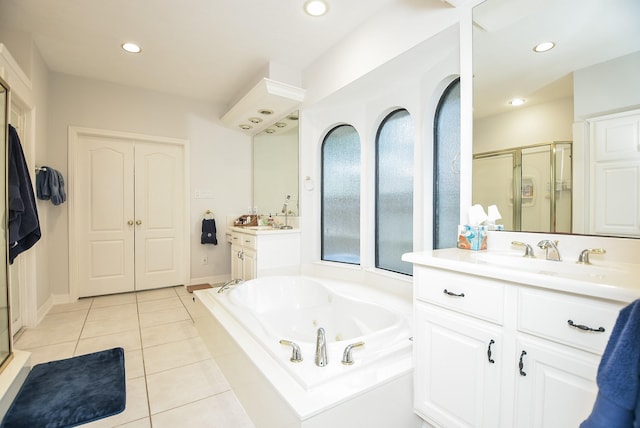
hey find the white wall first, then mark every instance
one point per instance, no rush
(415, 80)
(220, 159)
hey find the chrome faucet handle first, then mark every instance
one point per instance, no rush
(583, 258)
(551, 249)
(528, 250)
(347, 357)
(296, 354)
(321, 349)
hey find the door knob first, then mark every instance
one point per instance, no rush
(138, 222)
(130, 222)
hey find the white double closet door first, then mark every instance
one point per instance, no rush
(130, 214)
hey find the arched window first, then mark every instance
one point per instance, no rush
(394, 192)
(446, 193)
(340, 215)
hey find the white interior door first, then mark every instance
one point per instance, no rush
(159, 212)
(105, 207)
(130, 214)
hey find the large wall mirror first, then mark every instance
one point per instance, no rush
(5, 320)
(275, 168)
(547, 147)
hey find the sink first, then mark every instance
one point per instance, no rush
(549, 267)
(260, 228)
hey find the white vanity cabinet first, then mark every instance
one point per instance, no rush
(263, 251)
(495, 353)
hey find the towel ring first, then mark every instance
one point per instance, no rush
(208, 214)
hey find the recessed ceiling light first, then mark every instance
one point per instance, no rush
(544, 46)
(131, 47)
(270, 131)
(280, 124)
(316, 7)
(517, 102)
(265, 111)
(255, 120)
(245, 127)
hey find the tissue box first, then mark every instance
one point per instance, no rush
(472, 237)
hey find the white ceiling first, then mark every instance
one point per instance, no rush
(205, 49)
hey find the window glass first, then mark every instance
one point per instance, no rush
(446, 203)
(394, 192)
(340, 216)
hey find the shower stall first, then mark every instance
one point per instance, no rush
(531, 185)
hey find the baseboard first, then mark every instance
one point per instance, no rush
(217, 279)
(44, 309)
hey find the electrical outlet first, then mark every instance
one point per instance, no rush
(204, 260)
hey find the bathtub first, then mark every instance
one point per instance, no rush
(243, 328)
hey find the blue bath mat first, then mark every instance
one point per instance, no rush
(70, 392)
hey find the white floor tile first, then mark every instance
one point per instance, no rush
(128, 340)
(164, 316)
(174, 354)
(166, 333)
(113, 312)
(39, 336)
(113, 299)
(173, 388)
(57, 351)
(160, 293)
(159, 304)
(222, 411)
(133, 364)
(140, 423)
(82, 304)
(104, 327)
(137, 406)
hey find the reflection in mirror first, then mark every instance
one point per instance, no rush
(5, 330)
(275, 168)
(588, 78)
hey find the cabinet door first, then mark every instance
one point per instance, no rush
(236, 261)
(248, 264)
(455, 383)
(556, 387)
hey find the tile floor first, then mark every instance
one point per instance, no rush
(172, 381)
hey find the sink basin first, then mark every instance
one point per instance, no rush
(549, 267)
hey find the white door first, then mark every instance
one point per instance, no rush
(105, 207)
(130, 211)
(159, 209)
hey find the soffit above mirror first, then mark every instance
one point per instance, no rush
(268, 102)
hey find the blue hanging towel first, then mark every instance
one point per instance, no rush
(24, 225)
(208, 232)
(618, 400)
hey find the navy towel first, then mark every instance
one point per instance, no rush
(208, 232)
(50, 185)
(617, 403)
(24, 225)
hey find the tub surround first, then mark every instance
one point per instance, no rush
(524, 337)
(368, 393)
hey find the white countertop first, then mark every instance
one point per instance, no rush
(261, 230)
(617, 282)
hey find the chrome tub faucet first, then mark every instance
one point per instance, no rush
(321, 349)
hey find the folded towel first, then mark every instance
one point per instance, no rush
(61, 191)
(619, 375)
(208, 232)
(42, 184)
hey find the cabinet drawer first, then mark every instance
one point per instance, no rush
(469, 294)
(550, 315)
(248, 241)
(228, 237)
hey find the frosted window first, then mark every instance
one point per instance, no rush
(341, 195)
(446, 202)
(394, 192)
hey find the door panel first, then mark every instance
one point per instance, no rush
(159, 190)
(105, 205)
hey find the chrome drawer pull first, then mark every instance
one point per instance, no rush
(449, 293)
(521, 363)
(585, 327)
(491, 360)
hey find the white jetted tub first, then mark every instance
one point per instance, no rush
(245, 326)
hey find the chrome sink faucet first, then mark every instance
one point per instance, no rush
(551, 248)
(321, 349)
